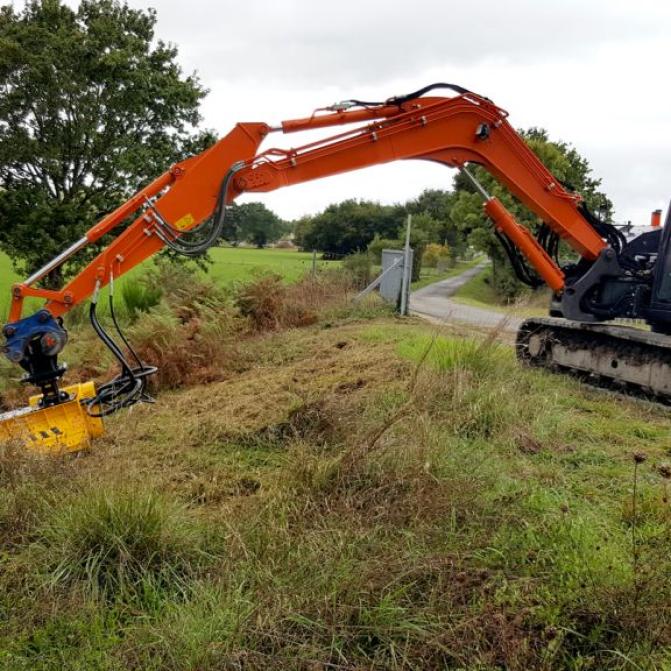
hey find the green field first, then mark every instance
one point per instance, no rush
(239, 264)
(230, 264)
(7, 277)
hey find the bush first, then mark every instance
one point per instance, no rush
(505, 282)
(123, 545)
(379, 244)
(360, 268)
(139, 296)
(433, 253)
(186, 291)
(199, 349)
(262, 301)
(269, 305)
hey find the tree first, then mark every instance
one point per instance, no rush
(91, 107)
(420, 232)
(255, 223)
(347, 227)
(438, 205)
(301, 227)
(566, 165)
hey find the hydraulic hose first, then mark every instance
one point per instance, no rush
(129, 386)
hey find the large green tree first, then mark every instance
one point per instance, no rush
(566, 164)
(347, 227)
(255, 223)
(438, 204)
(92, 105)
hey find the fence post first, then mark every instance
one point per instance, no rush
(314, 262)
(407, 271)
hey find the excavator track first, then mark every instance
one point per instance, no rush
(620, 358)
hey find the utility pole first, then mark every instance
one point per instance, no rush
(405, 282)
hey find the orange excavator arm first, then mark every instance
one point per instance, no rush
(185, 209)
(466, 128)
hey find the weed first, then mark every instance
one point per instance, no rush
(202, 349)
(121, 545)
(265, 303)
(360, 268)
(366, 501)
(139, 297)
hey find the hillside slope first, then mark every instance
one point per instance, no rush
(359, 494)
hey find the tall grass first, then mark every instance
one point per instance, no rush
(121, 545)
(139, 297)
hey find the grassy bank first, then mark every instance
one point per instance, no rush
(363, 492)
(479, 292)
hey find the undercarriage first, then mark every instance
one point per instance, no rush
(623, 358)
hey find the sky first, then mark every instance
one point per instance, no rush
(592, 72)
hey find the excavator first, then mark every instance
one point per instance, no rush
(184, 209)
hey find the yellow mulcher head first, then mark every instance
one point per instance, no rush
(64, 427)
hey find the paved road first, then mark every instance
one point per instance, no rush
(433, 302)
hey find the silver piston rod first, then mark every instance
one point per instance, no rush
(57, 261)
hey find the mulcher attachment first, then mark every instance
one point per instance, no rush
(53, 429)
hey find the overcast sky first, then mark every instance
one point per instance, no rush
(593, 72)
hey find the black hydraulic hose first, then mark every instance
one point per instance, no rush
(120, 332)
(178, 240)
(126, 384)
(399, 100)
(125, 389)
(522, 271)
(142, 370)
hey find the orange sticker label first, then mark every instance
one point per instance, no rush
(184, 222)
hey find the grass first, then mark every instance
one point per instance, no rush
(479, 292)
(364, 492)
(240, 264)
(230, 265)
(122, 545)
(8, 276)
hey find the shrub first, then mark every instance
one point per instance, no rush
(269, 304)
(186, 291)
(263, 301)
(360, 268)
(139, 296)
(122, 544)
(199, 349)
(433, 253)
(329, 288)
(378, 244)
(417, 242)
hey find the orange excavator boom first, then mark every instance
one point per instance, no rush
(185, 209)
